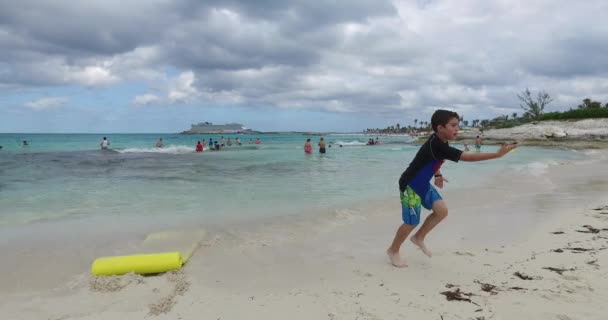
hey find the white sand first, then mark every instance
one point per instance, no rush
(334, 267)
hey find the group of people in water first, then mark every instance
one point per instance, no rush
(218, 145)
(200, 146)
(322, 145)
(308, 146)
(477, 145)
(371, 141)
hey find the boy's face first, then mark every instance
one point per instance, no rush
(449, 131)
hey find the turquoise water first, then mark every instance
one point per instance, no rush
(66, 176)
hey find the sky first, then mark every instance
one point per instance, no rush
(290, 65)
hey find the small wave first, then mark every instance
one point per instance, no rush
(591, 152)
(348, 215)
(411, 139)
(350, 143)
(537, 168)
(168, 150)
(597, 154)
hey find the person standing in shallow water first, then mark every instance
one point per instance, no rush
(478, 144)
(308, 146)
(321, 145)
(159, 143)
(415, 189)
(104, 143)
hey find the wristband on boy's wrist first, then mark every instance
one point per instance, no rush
(438, 175)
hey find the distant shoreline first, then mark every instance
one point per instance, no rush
(304, 133)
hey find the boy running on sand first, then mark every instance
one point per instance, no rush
(416, 190)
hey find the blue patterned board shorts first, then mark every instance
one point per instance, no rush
(411, 204)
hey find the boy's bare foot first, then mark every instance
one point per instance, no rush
(396, 259)
(421, 245)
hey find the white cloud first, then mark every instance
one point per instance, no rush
(92, 76)
(182, 88)
(146, 99)
(45, 103)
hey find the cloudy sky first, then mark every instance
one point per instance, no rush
(346, 65)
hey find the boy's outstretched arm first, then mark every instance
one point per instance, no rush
(471, 156)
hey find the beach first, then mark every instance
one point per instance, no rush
(543, 221)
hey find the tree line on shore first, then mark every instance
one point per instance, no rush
(533, 110)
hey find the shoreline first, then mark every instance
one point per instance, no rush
(337, 269)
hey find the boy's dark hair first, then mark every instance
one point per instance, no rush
(442, 117)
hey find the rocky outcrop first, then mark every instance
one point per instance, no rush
(589, 129)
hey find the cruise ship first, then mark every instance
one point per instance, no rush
(208, 127)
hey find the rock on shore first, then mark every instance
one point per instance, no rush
(583, 132)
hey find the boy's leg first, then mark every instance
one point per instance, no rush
(393, 252)
(440, 211)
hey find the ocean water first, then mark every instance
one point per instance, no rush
(65, 177)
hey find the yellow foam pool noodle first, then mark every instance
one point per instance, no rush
(138, 263)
